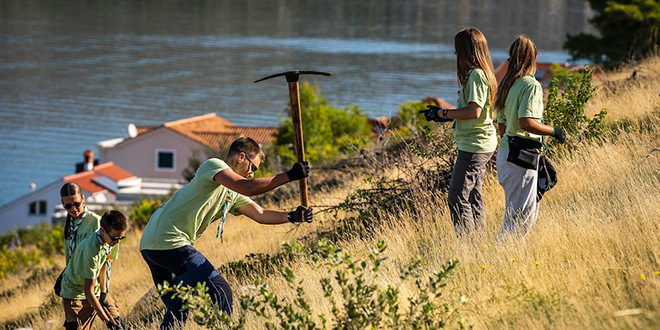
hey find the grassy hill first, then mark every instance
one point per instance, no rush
(591, 261)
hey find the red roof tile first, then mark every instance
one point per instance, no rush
(214, 131)
(86, 179)
(113, 171)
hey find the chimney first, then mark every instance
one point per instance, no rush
(88, 164)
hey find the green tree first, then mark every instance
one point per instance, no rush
(328, 132)
(628, 30)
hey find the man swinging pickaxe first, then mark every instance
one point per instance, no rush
(294, 96)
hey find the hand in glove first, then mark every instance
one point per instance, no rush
(433, 114)
(300, 214)
(299, 170)
(118, 324)
(559, 133)
(103, 299)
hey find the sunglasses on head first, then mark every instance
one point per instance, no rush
(70, 205)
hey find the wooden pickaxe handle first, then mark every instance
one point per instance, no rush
(294, 96)
(296, 120)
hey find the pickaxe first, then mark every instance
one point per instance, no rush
(294, 97)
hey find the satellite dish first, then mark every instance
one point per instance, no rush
(132, 130)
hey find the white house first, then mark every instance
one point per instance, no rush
(101, 185)
(160, 154)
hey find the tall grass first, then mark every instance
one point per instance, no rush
(591, 261)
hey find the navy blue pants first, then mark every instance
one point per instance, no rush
(187, 265)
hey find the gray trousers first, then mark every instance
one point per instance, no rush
(520, 186)
(465, 201)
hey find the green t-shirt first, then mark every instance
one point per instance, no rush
(525, 100)
(91, 222)
(185, 217)
(86, 263)
(476, 135)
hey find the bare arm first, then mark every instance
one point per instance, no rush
(103, 276)
(472, 111)
(267, 217)
(533, 126)
(501, 129)
(88, 287)
(239, 184)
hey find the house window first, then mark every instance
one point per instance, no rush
(165, 160)
(37, 208)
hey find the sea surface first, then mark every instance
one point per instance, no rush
(73, 73)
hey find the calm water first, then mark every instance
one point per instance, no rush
(73, 73)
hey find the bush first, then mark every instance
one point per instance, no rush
(357, 301)
(328, 132)
(142, 210)
(567, 110)
(12, 260)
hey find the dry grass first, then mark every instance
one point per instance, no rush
(589, 262)
(626, 97)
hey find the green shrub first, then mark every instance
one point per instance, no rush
(328, 132)
(567, 109)
(357, 301)
(142, 210)
(12, 260)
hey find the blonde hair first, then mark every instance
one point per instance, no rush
(522, 62)
(472, 52)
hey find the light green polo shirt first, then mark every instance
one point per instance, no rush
(91, 222)
(476, 135)
(86, 263)
(525, 100)
(185, 217)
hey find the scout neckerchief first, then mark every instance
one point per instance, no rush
(108, 251)
(73, 225)
(221, 225)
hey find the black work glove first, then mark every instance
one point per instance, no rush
(300, 214)
(103, 299)
(117, 325)
(559, 133)
(299, 171)
(432, 113)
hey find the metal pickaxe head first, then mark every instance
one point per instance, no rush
(294, 97)
(292, 76)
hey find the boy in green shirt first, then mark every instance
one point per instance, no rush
(81, 293)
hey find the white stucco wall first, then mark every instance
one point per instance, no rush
(16, 213)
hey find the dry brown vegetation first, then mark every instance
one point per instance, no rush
(591, 261)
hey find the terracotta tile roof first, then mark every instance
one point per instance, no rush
(145, 129)
(86, 179)
(220, 140)
(113, 171)
(213, 131)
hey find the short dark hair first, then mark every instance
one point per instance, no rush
(114, 220)
(246, 145)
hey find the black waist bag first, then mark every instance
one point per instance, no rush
(524, 152)
(58, 285)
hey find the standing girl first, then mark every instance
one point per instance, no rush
(80, 223)
(473, 130)
(519, 102)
